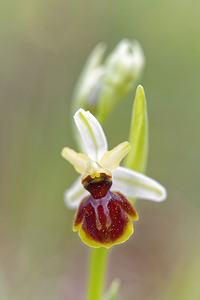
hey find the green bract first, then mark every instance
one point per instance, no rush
(137, 157)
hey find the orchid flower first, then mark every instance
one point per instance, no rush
(104, 214)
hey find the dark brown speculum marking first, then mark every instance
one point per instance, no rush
(104, 215)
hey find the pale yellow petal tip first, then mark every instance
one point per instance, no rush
(64, 152)
(127, 146)
(78, 160)
(94, 244)
(111, 159)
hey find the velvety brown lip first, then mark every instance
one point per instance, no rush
(104, 215)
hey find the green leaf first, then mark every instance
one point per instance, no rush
(136, 159)
(113, 292)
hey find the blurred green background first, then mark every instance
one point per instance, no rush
(44, 45)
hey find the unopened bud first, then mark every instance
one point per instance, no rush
(124, 66)
(102, 85)
(89, 84)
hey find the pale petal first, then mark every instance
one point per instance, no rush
(95, 170)
(112, 159)
(74, 195)
(136, 185)
(92, 135)
(78, 160)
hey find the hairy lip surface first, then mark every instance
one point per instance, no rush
(106, 220)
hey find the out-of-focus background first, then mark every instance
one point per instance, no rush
(44, 45)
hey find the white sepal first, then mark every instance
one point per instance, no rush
(74, 195)
(93, 138)
(136, 185)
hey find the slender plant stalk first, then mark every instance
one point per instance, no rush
(97, 273)
(136, 159)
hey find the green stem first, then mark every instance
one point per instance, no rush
(97, 273)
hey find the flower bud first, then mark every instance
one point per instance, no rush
(89, 84)
(102, 85)
(124, 66)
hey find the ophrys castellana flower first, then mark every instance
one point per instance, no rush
(104, 215)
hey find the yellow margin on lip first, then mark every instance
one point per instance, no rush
(135, 218)
(92, 243)
(77, 227)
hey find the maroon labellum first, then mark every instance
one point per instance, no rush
(104, 218)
